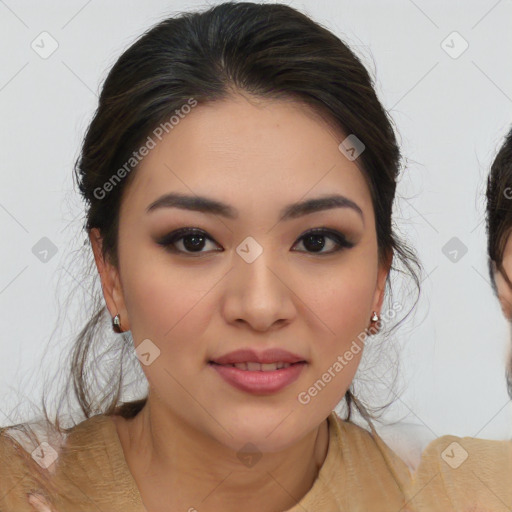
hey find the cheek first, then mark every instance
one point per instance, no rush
(166, 305)
(346, 309)
(504, 295)
(342, 317)
(509, 372)
(338, 350)
(343, 303)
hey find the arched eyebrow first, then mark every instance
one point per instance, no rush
(212, 206)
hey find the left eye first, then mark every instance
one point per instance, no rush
(193, 240)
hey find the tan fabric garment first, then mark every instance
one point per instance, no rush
(360, 473)
(463, 475)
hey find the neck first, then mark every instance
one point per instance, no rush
(189, 469)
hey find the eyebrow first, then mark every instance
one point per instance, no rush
(292, 211)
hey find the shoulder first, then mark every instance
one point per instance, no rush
(368, 456)
(466, 472)
(34, 455)
(20, 473)
(448, 453)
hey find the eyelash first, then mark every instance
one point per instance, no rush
(169, 240)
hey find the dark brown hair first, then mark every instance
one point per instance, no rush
(266, 50)
(499, 221)
(499, 209)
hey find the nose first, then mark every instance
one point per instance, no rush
(259, 293)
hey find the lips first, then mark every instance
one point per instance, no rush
(251, 358)
(259, 382)
(259, 367)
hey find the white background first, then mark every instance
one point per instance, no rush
(451, 115)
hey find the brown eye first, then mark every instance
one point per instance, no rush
(314, 240)
(193, 241)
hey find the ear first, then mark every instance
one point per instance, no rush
(110, 281)
(380, 289)
(504, 294)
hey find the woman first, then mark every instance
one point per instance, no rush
(499, 229)
(239, 175)
(469, 474)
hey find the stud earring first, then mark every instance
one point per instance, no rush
(116, 323)
(375, 317)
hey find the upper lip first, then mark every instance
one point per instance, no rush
(272, 355)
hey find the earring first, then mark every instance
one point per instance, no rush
(375, 317)
(116, 323)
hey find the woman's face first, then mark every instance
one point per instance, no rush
(250, 280)
(504, 290)
(505, 297)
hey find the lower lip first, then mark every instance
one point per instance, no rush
(258, 381)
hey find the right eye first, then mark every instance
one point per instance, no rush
(192, 239)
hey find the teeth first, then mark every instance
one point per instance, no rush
(253, 367)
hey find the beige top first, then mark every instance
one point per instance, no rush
(360, 473)
(463, 474)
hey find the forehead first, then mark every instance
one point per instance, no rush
(249, 152)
